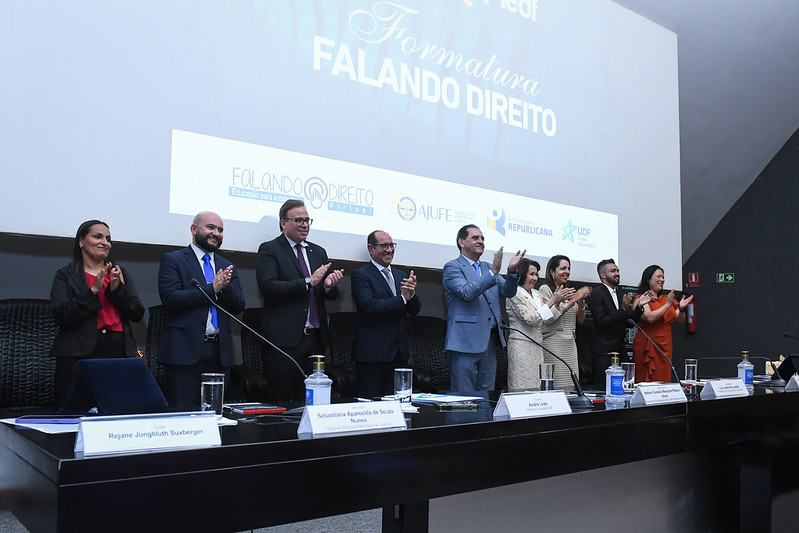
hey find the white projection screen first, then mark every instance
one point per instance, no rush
(551, 124)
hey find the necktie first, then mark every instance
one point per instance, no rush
(209, 277)
(313, 317)
(390, 280)
(477, 269)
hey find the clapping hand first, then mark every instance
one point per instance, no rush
(116, 277)
(408, 286)
(222, 279)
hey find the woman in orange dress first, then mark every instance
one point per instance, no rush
(659, 314)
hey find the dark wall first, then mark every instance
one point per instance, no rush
(758, 241)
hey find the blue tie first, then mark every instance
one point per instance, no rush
(209, 277)
(477, 268)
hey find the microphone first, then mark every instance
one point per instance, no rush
(632, 324)
(581, 400)
(790, 336)
(260, 337)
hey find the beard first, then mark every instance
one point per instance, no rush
(202, 242)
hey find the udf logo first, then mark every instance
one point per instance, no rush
(406, 208)
(568, 231)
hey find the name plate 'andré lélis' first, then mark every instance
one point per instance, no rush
(126, 433)
(512, 405)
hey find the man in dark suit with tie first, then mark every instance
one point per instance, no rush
(384, 297)
(197, 336)
(610, 311)
(472, 289)
(295, 279)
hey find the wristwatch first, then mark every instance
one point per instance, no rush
(308, 283)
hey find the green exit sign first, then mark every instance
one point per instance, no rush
(725, 277)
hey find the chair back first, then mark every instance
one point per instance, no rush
(156, 322)
(501, 382)
(251, 347)
(342, 340)
(426, 336)
(27, 371)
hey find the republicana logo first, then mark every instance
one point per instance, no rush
(496, 221)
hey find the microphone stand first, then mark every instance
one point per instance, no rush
(580, 401)
(632, 324)
(248, 328)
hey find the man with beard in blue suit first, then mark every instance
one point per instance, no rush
(384, 297)
(197, 336)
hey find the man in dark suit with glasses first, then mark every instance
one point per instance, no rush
(384, 297)
(295, 278)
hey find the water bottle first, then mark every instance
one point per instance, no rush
(746, 372)
(318, 385)
(614, 383)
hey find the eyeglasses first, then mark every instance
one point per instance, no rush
(301, 221)
(387, 245)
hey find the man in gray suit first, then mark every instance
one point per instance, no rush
(472, 289)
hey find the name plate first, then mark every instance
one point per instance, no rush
(658, 394)
(723, 388)
(513, 405)
(126, 433)
(351, 418)
(793, 384)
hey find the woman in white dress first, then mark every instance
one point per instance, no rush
(527, 311)
(559, 331)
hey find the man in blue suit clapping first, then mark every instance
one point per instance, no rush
(472, 289)
(197, 337)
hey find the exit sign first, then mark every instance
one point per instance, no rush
(725, 277)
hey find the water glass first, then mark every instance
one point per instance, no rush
(629, 377)
(690, 370)
(547, 373)
(212, 392)
(403, 384)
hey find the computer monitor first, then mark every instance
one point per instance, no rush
(118, 386)
(789, 366)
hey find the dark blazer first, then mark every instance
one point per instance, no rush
(609, 323)
(187, 309)
(285, 293)
(75, 309)
(381, 326)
